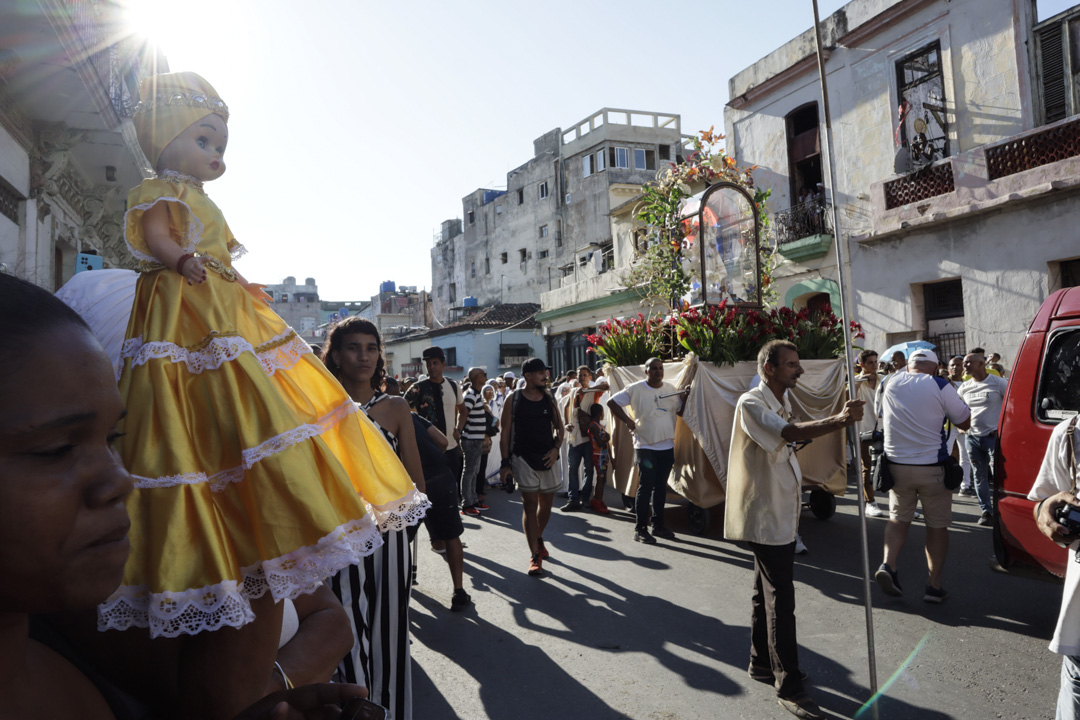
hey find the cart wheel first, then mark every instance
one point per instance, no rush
(822, 504)
(698, 518)
(628, 502)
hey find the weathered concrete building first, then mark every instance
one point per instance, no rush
(551, 230)
(956, 163)
(496, 338)
(69, 78)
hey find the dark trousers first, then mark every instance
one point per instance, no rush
(481, 476)
(654, 466)
(773, 643)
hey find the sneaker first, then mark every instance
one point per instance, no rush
(572, 506)
(663, 533)
(987, 519)
(544, 554)
(888, 580)
(535, 568)
(470, 511)
(872, 510)
(598, 506)
(800, 546)
(968, 491)
(935, 595)
(801, 706)
(460, 600)
(643, 536)
(481, 506)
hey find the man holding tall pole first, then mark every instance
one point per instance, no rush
(762, 508)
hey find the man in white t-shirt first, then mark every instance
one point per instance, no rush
(984, 394)
(654, 405)
(915, 405)
(1054, 488)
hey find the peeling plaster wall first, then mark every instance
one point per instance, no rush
(1004, 282)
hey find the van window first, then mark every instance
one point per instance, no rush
(1059, 388)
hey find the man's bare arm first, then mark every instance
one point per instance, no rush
(798, 432)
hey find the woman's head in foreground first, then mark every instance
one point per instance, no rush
(63, 524)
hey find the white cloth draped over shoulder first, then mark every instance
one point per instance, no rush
(703, 433)
(103, 298)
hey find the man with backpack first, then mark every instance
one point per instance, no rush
(531, 435)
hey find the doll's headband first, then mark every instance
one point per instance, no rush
(169, 104)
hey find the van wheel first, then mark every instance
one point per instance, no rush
(698, 518)
(822, 504)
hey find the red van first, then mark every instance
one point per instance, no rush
(1044, 389)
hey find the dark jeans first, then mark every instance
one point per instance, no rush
(773, 643)
(481, 476)
(654, 466)
(580, 455)
(981, 452)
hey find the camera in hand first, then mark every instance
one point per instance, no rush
(1068, 516)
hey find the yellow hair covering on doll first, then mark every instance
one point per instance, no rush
(169, 104)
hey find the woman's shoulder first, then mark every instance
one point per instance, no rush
(60, 689)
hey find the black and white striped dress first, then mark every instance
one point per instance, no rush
(376, 596)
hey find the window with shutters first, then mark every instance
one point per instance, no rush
(1057, 65)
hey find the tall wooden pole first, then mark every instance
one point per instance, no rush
(853, 433)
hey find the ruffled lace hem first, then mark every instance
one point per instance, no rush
(191, 238)
(237, 251)
(220, 480)
(279, 353)
(228, 604)
(402, 513)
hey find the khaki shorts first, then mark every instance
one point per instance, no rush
(924, 484)
(529, 480)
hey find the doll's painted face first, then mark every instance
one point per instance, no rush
(198, 150)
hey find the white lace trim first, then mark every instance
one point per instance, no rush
(191, 238)
(175, 176)
(281, 353)
(238, 251)
(228, 604)
(220, 480)
(399, 514)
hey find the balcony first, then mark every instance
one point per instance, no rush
(804, 231)
(1021, 168)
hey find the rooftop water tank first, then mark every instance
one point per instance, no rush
(388, 286)
(470, 301)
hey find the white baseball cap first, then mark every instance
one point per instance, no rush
(922, 355)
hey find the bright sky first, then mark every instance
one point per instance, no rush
(358, 126)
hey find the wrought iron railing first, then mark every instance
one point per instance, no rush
(812, 217)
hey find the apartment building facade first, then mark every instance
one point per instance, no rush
(552, 229)
(69, 79)
(954, 133)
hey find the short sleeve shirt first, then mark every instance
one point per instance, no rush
(914, 409)
(1054, 477)
(476, 415)
(985, 400)
(763, 476)
(654, 415)
(450, 402)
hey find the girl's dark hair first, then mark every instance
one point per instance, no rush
(353, 326)
(28, 311)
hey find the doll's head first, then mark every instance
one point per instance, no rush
(182, 125)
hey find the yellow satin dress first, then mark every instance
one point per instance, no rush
(254, 470)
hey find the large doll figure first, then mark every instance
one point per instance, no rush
(255, 476)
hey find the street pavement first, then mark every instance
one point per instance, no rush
(617, 629)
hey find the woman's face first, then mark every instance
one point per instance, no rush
(198, 151)
(358, 357)
(63, 524)
(489, 392)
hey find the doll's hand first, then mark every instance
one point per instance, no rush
(258, 291)
(193, 271)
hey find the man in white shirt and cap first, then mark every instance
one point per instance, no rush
(763, 500)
